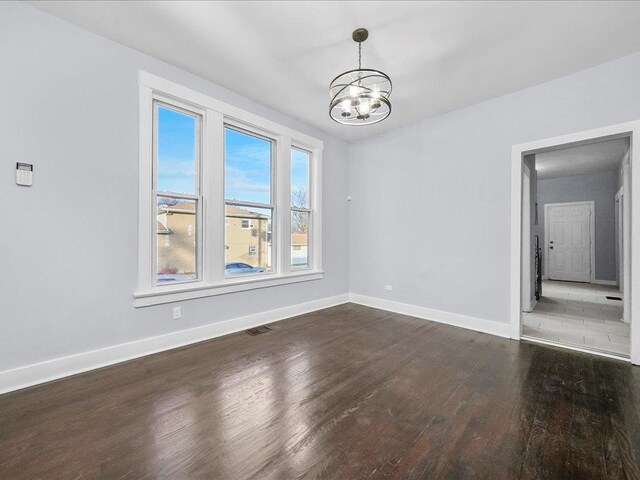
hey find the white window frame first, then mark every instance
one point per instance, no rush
(272, 205)
(180, 107)
(211, 230)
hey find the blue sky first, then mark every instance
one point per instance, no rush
(176, 151)
(247, 160)
(300, 171)
(247, 167)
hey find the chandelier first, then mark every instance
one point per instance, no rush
(361, 96)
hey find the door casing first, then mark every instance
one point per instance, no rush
(629, 130)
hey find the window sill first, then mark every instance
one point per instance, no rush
(189, 291)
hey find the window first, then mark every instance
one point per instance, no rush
(228, 200)
(176, 181)
(300, 209)
(248, 198)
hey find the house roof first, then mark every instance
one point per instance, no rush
(188, 208)
(233, 211)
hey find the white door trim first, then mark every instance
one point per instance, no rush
(527, 301)
(632, 268)
(592, 236)
(618, 237)
(631, 217)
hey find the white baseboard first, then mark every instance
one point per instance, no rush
(34, 374)
(596, 281)
(478, 324)
(572, 347)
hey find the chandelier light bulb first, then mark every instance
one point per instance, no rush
(364, 106)
(375, 95)
(360, 96)
(346, 108)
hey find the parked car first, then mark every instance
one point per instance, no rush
(168, 277)
(236, 268)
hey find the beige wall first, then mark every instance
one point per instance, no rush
(239, 240)
(176, 249)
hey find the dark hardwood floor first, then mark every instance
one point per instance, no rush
(345, 393)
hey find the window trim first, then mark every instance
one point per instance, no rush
(215, 115)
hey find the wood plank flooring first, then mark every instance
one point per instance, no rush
(348, 392)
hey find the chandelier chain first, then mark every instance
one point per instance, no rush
(359, 55)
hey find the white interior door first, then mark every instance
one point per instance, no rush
(569, 241)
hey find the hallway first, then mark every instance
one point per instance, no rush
(580, 315)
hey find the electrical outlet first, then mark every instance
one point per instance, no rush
(177, 313)
(388, 288)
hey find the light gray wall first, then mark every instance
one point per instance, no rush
(598, 187)
(437, 193)
(68, 245)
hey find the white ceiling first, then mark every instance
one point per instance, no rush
(441, 56)
(591, 158)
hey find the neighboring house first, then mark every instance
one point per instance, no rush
(299, 249)
(248, 237)
(176, 237)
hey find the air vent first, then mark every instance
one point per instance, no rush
(614, 298)
(258, 330)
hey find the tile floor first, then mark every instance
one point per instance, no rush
(579, 314)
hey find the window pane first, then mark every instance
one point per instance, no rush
(247, 163)
(247, 240)
(299, 239)
(176, 151)
(176, 239)
(300, 178)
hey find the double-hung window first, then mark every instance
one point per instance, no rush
(301, 221)
(228, 200)
(249, 206)
(177, 139)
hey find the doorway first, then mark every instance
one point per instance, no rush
(583, 302)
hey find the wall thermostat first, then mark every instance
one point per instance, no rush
(24, 174)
